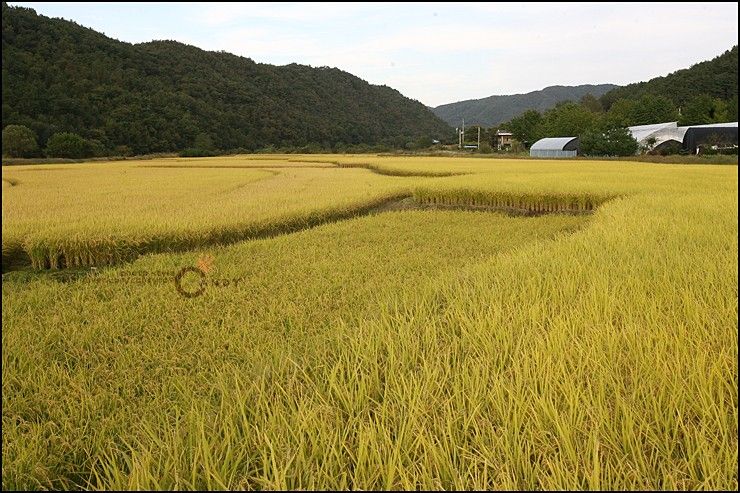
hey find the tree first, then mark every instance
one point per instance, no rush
(423, 142)
(68, 145)
(705, 109)
(122, 150)
(204, 142)
(526, 127)
(649, 145)
(653, 109)
(19, 141)
(568, 120)
(620, 113)
(613, 142)
(732, 109)
(643, 111)
(591, 103)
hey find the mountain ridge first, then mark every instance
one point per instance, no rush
(163, 96)
(716, 77)
(496, 109)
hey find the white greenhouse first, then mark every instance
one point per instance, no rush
(555, 147)
(652, 137)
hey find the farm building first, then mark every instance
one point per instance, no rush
(503, 140)
(555, 147)
(652, 137)
(714, 134)
(642, 132)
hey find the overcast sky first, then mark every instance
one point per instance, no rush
(438, 53)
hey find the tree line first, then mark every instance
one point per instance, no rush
(604, 131)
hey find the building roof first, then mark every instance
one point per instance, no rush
(729, 124)
(664, 135)
(663, 132)
(552, 143)
(642, 132)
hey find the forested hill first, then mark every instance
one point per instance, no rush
(498, 109)
(716, 78)
(163, 96)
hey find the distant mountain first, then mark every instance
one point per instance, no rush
(498, 109)
(716, 78)
(164, 96)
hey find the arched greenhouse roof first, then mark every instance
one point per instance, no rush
(552, 144)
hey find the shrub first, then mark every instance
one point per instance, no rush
(485, 148)
(122, 150)
(311, 149)
(97, 149)
(68, 145)
(19, 141)
(194, 152)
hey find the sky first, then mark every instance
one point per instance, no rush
(437, 53)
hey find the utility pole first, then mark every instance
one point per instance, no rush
(479, 137)
(462, 139)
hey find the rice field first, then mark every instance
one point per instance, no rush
(527, 325)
